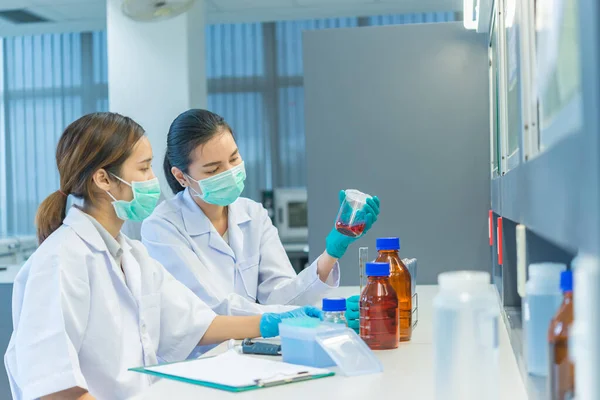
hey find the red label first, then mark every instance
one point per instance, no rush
(499, 241)
(491, 227)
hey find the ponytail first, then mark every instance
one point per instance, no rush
(50, 215)
(173, 183)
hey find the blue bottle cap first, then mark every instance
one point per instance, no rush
(391, 243)
(566, 281)
(378, 269)
(335, 304)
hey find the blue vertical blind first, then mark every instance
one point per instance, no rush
(255, 81)
(415, 18)
(49, 81)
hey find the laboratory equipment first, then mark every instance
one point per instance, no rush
(349, 352)
(249, 346)
(299, 345)
(363, 257)
(561, 376)
(334, 310)
(291, 214)
(411, 264)
(351, 220)
(465, 337)
(583, 343)
(388, 249)
(542, 301)
(379, 326)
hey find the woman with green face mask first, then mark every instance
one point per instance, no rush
(90, 302)
(223, 246)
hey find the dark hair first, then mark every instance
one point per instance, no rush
(101, 140)
(188, 131)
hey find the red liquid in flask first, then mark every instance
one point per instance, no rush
(350, 230)
(379, 325)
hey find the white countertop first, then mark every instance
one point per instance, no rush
(408, 371)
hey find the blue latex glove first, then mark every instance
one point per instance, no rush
(336, 243)
(269, 323)
(353, 312)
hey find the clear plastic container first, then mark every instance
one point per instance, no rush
(542, 300)
(299, 345)
(465, 337)
(334, 310)
(349, 352)
(388, 249)
(561, 376)
(379, 326)
(351, 219)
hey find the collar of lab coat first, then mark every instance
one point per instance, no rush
(85, 229)
(196, 223)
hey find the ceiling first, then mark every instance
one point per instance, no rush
(85, 15)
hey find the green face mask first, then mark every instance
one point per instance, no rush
(145, 199)
(222, 189)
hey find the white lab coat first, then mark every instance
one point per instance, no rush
(231, 278)
(78, 322)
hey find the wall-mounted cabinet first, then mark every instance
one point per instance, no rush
(539, 124)
(558, 70)
(511, 18)
(494, 57)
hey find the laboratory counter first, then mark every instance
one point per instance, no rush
(408, 371)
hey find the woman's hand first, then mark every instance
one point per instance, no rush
(336, 242)
(269, 323)
(353, 312)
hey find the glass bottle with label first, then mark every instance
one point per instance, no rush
(561, 377)
(400, 279)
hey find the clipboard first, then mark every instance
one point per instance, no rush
(233, 372)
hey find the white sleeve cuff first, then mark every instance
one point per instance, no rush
(333, 280)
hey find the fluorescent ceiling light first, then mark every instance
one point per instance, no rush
(469, 14)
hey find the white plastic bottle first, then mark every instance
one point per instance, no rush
(583, 343)
(465, 337)
(542, 300)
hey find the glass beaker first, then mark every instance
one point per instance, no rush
(352, 220)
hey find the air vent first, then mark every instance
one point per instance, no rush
(21, 16)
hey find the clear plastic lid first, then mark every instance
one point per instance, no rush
(349, 352)
(464, 280)
(356, 197)
(546, 270)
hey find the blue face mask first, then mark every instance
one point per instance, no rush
(222, 189)
(145, 199)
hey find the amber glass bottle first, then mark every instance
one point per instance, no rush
(379, 309)
(388, 249)
(561, 377)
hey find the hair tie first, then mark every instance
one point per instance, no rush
(63, 193)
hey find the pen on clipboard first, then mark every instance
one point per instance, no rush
(300, 376)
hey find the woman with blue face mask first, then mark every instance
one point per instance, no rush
(222, 246)
(90, 303)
